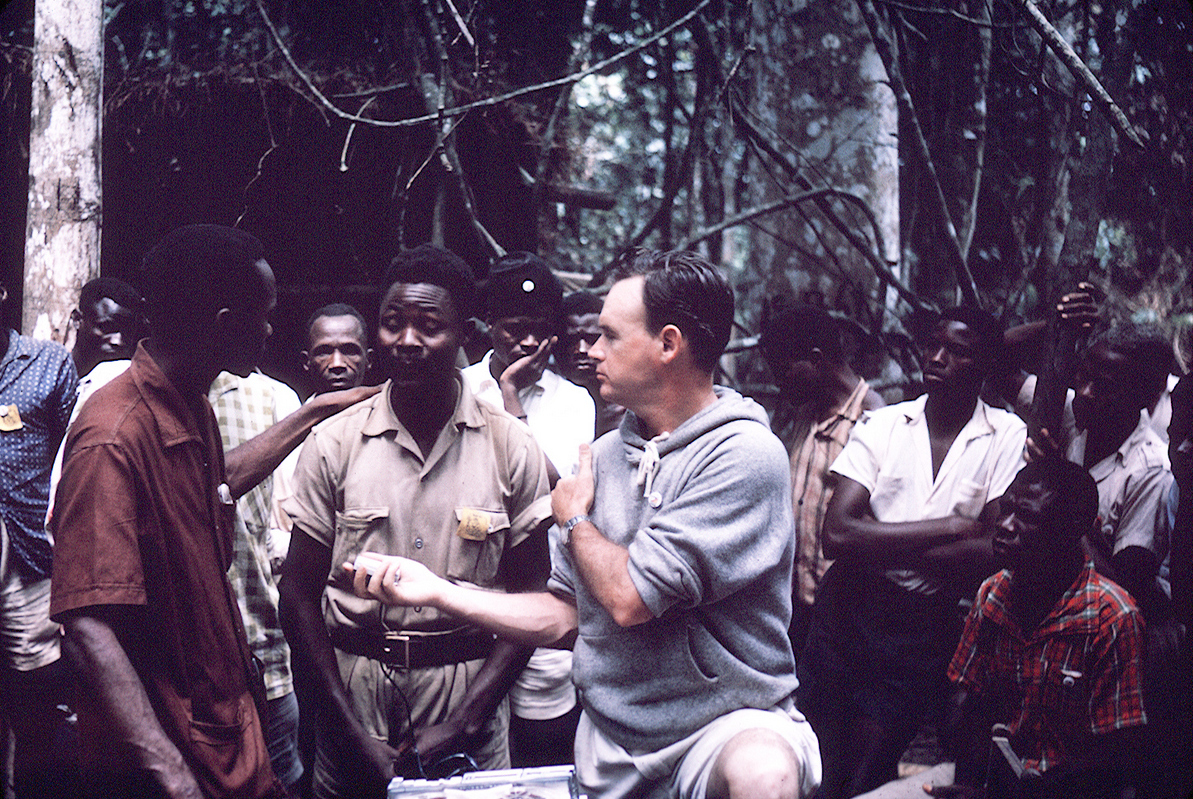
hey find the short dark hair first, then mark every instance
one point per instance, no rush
(984, 325)
(195, 271)
(113, 289)
(581, 303)
(522, 284)
(791, 330)
(427, 263)
(338, 309)
(1076, 504)
(684, 290)
(1148, 352)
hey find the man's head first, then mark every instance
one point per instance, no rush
(1120, 372)
(337, 354)
(581, 329)
(668, 313)
(963, 349)
(208, 295)
(1048, 507)
(110, 320)
(800, 344)
(426, 296)
(522, 302)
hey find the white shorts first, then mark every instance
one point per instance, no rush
(682, 769)
(28, 639)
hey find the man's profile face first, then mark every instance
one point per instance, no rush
(107, 331)
(418, 335)
(246, 328)
(1025, 539)
(951, 358)
(516, 337)
(581, 331)
(338, 356)
(627, 351)
(1103, 390)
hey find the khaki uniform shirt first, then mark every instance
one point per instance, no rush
(362, 484)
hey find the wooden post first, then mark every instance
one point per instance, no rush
(63, 231)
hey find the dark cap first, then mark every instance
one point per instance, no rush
(522, 284)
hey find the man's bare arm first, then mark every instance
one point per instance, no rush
(850, 528)
(99, 658)
(255, 459)
(301, 615)
(538, 619)
(523, 568)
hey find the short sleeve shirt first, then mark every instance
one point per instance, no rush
(1133, 485)
(362, 484)
(890, 454)
(560, 413)
(139, 520)
(244, 408)
(1077, 675)
(37, 392)
(816, 446)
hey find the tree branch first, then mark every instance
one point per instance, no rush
(485, 103)
(795, 199)
(446, 143)
(1057, 44)
(540, 184)
(882, 43)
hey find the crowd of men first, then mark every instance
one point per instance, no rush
(580, 549)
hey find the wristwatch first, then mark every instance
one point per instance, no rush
(565, 532)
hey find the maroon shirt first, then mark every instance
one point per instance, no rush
(138, 521)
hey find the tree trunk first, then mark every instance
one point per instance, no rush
(63, 229)
(821, 93)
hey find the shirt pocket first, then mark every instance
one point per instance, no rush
(477, 545)
(1065, 693)
(970, 498)
(359, 530)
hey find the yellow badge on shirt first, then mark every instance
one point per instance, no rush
(474, 524)
(10, 418)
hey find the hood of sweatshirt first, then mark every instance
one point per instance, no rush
(646, 454)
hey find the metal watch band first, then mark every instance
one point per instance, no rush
(565, 533)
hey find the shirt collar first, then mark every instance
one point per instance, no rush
(849, 411)
(382, 419)
(18, 347)
(978, 425)
(1071, 613)
(170, 412)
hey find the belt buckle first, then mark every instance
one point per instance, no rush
(393, 637)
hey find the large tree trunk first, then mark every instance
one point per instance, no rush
(63, 229)
(821, 92)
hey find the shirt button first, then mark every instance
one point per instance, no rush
(418, 543)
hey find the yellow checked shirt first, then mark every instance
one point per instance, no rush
(362, 484)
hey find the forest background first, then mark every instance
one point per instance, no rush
(882, 158)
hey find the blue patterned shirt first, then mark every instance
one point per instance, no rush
(37, 391)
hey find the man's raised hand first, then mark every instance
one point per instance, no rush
(573, 495)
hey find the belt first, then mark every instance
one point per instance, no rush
(415, 649)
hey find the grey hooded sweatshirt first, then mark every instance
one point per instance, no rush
(706, 515)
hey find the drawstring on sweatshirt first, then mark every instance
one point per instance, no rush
(649, 465)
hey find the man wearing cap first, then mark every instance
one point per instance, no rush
(524, 303)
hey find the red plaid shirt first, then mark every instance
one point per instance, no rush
(1078, 674)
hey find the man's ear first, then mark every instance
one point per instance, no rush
(76, 317)
(368, 359)
(306, 360)
(672, 340)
